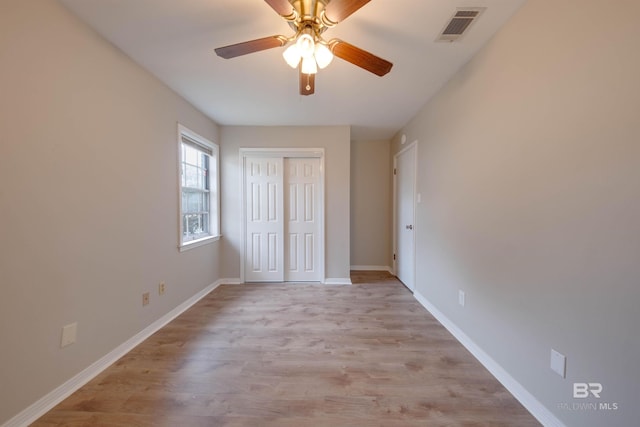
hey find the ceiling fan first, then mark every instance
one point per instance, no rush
(307, 50)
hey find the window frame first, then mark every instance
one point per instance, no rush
(186, 135)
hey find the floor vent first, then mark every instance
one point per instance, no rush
(459, 24)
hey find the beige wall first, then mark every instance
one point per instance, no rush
(371, 204)
(88, 199)
(529, 169)
(335, 141)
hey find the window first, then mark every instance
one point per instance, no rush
(199, 202)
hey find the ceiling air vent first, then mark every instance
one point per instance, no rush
(459, 24)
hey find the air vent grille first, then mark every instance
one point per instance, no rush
(467, 14)
(459, 24)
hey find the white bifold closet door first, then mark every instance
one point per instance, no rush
(302, 222)
(264, 260)
(282, 219)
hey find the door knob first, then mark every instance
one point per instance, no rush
(409, 227)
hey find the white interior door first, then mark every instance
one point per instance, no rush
(264, 246)
(405, 169)
(302, 224)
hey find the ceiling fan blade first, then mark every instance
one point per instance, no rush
(359, 57)
(339, 10)
(307, 83)
(283, 8)
(251, 46)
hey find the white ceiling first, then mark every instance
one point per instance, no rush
(174, 40)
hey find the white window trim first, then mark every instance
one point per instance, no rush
(214, 189)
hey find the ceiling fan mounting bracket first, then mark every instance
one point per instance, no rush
(326, 21)
(291, 18)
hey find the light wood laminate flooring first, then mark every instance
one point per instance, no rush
(297, 355)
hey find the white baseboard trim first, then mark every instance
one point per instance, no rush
(337, 281)
(371, 268)
(537, 409)
(233, 281)
(51, 399)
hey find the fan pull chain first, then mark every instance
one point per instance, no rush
(308, 82)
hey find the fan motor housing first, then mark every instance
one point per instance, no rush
(309, 7)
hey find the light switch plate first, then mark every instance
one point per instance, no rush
(558, 363)
(68, 335)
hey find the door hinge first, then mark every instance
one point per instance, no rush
(395, 171)
(394, 257)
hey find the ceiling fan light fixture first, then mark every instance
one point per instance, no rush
(309, 66)
(306, 51)
(305, 45)
(323, 55)
(292, 55)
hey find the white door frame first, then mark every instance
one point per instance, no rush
(414, 144)
(284, 153)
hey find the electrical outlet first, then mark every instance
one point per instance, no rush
(145, 298)
(68, 335)
(558, 363)
(461, 298)
(161, 288)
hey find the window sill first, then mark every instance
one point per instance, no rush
(197, 243)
